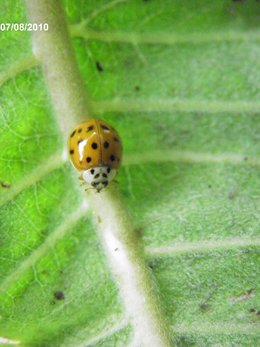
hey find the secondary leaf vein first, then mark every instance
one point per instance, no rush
(48, 244)
(201, 246)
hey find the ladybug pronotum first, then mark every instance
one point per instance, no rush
(95, 149)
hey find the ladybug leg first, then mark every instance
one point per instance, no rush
(82, 180)
(83, 183)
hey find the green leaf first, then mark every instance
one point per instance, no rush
(180, 82)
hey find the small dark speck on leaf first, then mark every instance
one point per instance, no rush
(249, 294)
(99, 66)
(245, 158)
(204, 307)
(254, 310)
(151, 265)
(59, 295)
(232, 195)
(209, 186)
(139, 232)
(129, 62)
(137, 88)
(5, 185)
(99, 220)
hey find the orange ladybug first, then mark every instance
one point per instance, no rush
(95, 149)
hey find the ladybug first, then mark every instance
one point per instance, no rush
(95, 149)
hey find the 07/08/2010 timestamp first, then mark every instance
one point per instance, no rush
(24, 27)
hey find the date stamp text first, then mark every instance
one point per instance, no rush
(24, 27)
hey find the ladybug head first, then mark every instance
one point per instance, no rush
(99, 176)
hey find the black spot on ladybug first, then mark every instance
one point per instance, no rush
(80, 130)
(73, 133)
(91, 127)
(88, 159)
(104, 175)
(79, 141)
(105, 183)
(108, 169)
(116, 139)
(71, 151)
(99, 66)
(94, 184)
(106, 144)
(59, 295)
(112, 157)
(104, 127)
(97, 175)
(92, 171)
(94, 145)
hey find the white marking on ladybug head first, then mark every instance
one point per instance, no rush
(99, 176)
